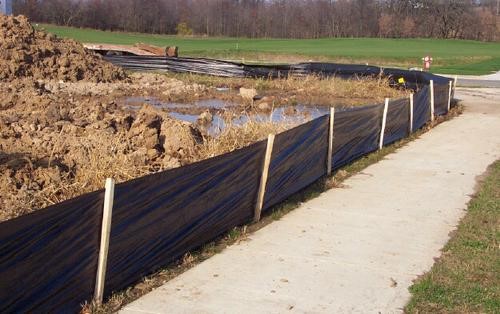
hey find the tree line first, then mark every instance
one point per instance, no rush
(456, 19)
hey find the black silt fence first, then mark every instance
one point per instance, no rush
(356, 133)
(398, 121)
(48, 259)
(158, 218)
(421, 108)
(441, 99)
(298, 159)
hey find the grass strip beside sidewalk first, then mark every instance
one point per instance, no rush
(466, 278)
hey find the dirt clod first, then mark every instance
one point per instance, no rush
(26, 52)
(248, 93)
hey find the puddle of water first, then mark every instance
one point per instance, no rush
(205, 103)
(293, 114)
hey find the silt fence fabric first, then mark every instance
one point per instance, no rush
(441, 99)
(298, 159)
(160, 217)
(48, 259)
(421, 108)
(410, 79)
(356, 132)
(398, 121)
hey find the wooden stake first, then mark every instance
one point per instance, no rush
(411, 112)
(105, 232)
(455, 82)
(449, 96)
(330, 142)
(432, 99)
(384, 119)
(263, 178)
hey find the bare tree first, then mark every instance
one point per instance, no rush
(277, 18)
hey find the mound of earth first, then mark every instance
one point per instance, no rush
(26, 52)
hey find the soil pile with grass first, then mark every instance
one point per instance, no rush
(53, 151)
(59, 140)
(26, 52)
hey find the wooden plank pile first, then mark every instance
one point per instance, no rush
(139, 49)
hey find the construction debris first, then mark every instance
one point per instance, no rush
(139, 49)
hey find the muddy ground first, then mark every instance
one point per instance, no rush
(69, 120)
(59, 140)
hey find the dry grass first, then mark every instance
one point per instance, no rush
(238, 136)
(98, 162)
(309, 89)
(94, 163)
(107, 161)
(358, 89)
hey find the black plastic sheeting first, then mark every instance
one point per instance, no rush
(398, 121)
(441, 99)
(48, 259)
(298, 159)
(158, 218)
(412, 79)
(356, 132)
(421, 108)
(179, 65)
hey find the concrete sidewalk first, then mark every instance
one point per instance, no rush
(355, 249)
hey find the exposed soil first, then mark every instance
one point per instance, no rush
(61, 130)
(26, 52)
(58, 141)
(65, 125)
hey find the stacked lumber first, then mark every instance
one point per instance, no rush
(139, 49)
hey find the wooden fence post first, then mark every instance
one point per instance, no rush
(384, 120)
(411, 113)
(449, 96)
(105, 232)
(330, 142)
(431, 86)
(263, 178)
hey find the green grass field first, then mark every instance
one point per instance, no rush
(450, 56)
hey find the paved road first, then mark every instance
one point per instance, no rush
(463, 82)
(488, 81)
(354, 249)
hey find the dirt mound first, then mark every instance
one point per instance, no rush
(26, 52)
